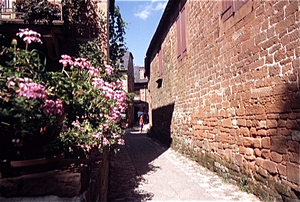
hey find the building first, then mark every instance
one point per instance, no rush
(224, 82)
(128, 84)
(57, 38)
(141, 93)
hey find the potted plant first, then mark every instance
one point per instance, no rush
(35, 104)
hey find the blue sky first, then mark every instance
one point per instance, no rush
(142, 18)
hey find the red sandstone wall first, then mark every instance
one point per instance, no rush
(235, 96)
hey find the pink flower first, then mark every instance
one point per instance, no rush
(109, 70)
(64, 127)
(98, 83)
(29, 89)
(66, 60)
(77, 125)
(116, 135)
(118, 84)
(11, 82)
(17, 142)
(94, 72)
(105, 141)
(53, 107)
(82, 63)
(29, 36)
(98, 135)
(121, 142)
(105, 126)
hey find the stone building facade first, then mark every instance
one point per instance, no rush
(224, 82)
(141, 94)
(128, 84)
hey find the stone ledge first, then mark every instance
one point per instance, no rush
(73, 180)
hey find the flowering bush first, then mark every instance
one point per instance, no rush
(32, 99)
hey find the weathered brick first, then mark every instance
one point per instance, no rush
(270, 166)
(270, 42)
(276, 107)
(248, 142)
(260, 37)
(265, 153)
(250, 152)
(262, 133)
(274, 70)
(255, 109)
(276, 157)
(294, 146)
(279, 144)
(238, 159)
(252, 131)
(294, 157)
(240, 111)
(284, 24)
(293, 173)
(241, 122)
(283, 132)
(281, 123)
(291, 8)
(242, 150)
(257, 143)
(272, 123)
(292, 124)
(266, 143)
(244, 131)
(257, 152)
(279, 16)
(282, 170)
(227, 123)
(275, 47)
(224, 137)
(262, 172)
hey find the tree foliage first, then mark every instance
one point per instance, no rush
(117, 30)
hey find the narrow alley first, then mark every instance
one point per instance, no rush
(143, 171)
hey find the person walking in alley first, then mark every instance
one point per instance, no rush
(141, 122)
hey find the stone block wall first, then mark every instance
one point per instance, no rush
(235, 95)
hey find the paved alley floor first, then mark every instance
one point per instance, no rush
(144, 171)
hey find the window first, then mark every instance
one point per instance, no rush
(181, 36)
(229, 7)
(160, 63)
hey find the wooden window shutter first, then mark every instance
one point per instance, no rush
(160, 63)
(183, 33)
(227, 9)
(178, 36)
(237, 4)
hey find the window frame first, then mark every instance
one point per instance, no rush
(160, 63)
(181, 33)
(229, 7)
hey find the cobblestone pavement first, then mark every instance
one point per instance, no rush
(144, 171)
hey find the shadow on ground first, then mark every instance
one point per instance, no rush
(131, 162)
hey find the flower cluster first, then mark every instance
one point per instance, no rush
(27, 88)
(29, 36)
(66, 60)
(85, 94)
(53, 107)
(114, 98)
(109, 70)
